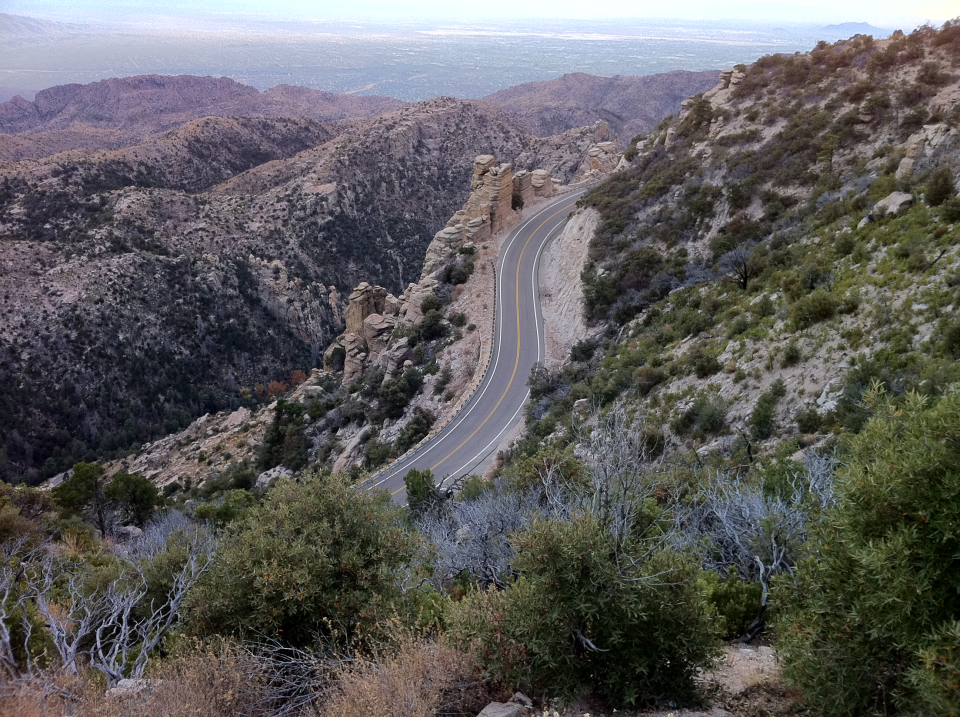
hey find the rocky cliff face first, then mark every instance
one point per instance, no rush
(141, 289)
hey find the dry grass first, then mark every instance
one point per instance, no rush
(202, 683)
(420, 678)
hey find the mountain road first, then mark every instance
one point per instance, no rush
(471, 438)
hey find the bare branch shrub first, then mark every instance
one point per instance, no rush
(738, 524)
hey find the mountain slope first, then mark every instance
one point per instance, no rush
(791, 238)
(130, 306)
(630, 105)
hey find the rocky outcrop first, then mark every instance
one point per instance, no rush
(929, 138)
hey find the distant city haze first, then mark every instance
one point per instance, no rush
(410, 50)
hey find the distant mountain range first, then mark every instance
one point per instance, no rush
(630, 105)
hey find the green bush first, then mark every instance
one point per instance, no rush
(941, 187)
(950, 210)
(575, 623)
(792, 355)
(646, 378)
(430, 302)
(809, 420)
(416, 429)
(735, 601)
(284, 443)
(813, 308)
(421, 488)
(707, 415)
(871, 627)
(136, 497)
(703, 362)
(317, 555)
(762, 418)
(432, 326)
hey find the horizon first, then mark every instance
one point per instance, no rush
(883, 13)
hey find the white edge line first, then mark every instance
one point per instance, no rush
(474, 402)
(536, 318)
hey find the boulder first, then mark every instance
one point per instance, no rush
(501, 709)
(268, 477)
(394, 357)
(523, 186)
(893, 203)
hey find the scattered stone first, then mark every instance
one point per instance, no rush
(522, 699)
(128, 688)
(501, 709)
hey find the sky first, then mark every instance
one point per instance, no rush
(881, 12)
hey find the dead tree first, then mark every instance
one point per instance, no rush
(737, 524)
(736, 267)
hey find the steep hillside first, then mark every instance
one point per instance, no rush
(130, 306)
(630, 105)
(791, 238)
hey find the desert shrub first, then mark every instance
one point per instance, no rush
(707, 415)
(881, 595)
(762, 418)
(316, 555)
(421, 487)
(134, 495)
(397, 392)
(941, 187)
(646, 378)
(809, 420)
(703, 362)
(226, 508)
(416, 429)
(83, 495)
(284, 443)
(376, 453)
(583, 350)
(432, 326)
(430, 302)
(844, 244)
(443, 380)
(792, 355)
(950, 210)
(557, 632)
(736, 602)
(420, 677)
(817, 306)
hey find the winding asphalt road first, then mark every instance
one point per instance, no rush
(473, 435)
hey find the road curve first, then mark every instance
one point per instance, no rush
(497, 404)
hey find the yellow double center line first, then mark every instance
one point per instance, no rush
(516, 365)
